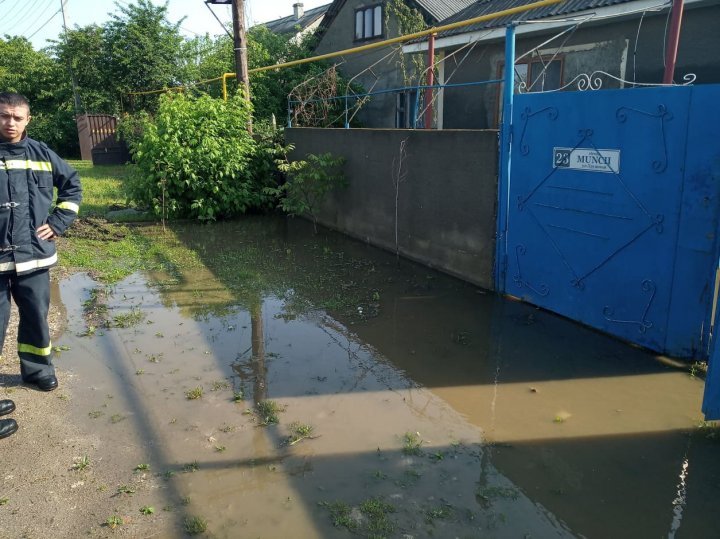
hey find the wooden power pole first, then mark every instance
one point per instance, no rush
(240, 43)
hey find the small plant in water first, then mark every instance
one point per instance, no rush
(195, 525)
(222, 384)
(299, 432)
(191, 466)
(194, 393)
(114, 521)
(81, 463)
(412, 443)
(267, 412)
(126, 320)
(124, 489)
(238, 396)
(340, 514)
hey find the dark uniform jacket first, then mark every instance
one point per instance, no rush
(29, 171)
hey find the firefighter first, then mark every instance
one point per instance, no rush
(29, 174)
(7, 426)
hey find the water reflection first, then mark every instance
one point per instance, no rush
(527, 424)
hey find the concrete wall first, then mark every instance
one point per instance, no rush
(610, 47)
(446, 199)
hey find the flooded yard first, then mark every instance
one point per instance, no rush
(298, 385)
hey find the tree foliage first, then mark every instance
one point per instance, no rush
(138, 49)
(307, 183)
(39, 78)
(196, 159)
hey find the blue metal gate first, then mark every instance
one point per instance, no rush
(611, 209)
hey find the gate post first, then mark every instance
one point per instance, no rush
(504, 158)
(711, 400)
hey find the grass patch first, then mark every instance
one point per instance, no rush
(267, 412)
(194, 393)
(340, 515)
(81, 463)
(412, 443)
(370, 519)
(485, 496)
(129, 319)
(195, 525)
(299, 432)
(114, 521)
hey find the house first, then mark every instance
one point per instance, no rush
(352, 23)
(300, 22)
(584, 44)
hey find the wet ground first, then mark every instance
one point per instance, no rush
(293, 385)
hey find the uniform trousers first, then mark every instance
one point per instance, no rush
(31, 293)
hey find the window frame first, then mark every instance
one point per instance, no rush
(364, 12)
(529, 77)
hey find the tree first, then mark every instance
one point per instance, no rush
(39, 78)
(141, 51)
(83, 51)
(196, 159)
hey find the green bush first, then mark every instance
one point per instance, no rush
(307, 183)
(196, 159)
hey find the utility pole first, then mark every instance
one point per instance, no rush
(240, 44)
(239, 41)
(76, 95)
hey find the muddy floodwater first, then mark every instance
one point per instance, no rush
(311, 386)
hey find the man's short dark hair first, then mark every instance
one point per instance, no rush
(12, 99)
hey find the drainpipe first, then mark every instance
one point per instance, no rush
(430, 82)
(673, 41)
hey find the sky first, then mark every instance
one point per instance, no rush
(41, 20)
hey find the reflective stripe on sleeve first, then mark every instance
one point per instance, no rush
(30, 349)
(44, 166)
(75, 208)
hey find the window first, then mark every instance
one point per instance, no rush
(536, 75)
(368, 23)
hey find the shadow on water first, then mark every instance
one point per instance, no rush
(432, 408)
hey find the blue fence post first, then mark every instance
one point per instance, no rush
(711, 400)
(347, 123)
(415, 108)
(505, 156)
(289, 122)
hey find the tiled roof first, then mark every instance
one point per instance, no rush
(287, 25)
(442, 9)
(484, 7)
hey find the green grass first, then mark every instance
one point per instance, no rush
(267, 412)
(103, 189)
(195, 525)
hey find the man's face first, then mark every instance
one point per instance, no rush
(13, 121)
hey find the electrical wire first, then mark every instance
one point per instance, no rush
(20, 15)
(44, 24)
(40, 16)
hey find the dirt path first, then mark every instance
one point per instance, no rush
(43, 492)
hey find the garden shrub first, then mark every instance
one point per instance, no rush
(307, 183)
(196, 159)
